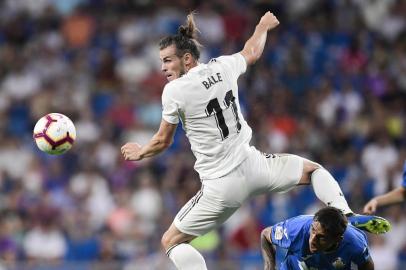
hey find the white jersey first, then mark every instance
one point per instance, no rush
(206, 101)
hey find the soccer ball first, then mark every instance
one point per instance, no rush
(54, 133)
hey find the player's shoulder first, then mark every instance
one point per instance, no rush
(227, 58)
(353, 231)
(355, 237)
(302, 219)
(299, 223)
(296, 227)
(174, 86)
(171, 91)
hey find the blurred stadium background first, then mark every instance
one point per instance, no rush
(331, 86)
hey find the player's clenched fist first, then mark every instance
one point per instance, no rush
(131, 151)
(269, 20)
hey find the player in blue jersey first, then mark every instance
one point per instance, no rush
(324, 241)
(394, 196)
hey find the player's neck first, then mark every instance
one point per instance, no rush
(191, 65)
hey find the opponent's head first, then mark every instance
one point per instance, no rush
(180, 52)
(327, 229)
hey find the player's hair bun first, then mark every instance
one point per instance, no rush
(189, 30)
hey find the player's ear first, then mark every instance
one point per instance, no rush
(187, 58)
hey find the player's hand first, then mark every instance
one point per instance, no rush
(131, 151)
(371, 206)
(269, 20)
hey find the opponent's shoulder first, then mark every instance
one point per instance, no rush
(356, 238)
(296, 224)
(302, 219)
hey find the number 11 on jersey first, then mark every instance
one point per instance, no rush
(214, 106)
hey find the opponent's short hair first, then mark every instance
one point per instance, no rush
(332, 220)
(185, 40)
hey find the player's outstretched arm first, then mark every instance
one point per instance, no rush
(395, 196)
(158, 143)
(254, 46)
(267, 249)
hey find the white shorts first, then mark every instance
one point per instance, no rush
(219, 198)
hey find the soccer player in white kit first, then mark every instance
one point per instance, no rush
(205, 99)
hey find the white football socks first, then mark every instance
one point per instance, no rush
(186, 257)
(328, 191)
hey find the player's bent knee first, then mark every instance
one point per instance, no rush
(310, 166)
(166, 240)
(173, 237)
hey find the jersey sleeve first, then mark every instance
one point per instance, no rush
(404, 176)
(279, 235)
(359, 246)
(284, 233)
(362, 257)
(170, 106)
(235, 64)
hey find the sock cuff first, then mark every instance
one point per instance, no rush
(314, 172)
(184, 256)
(171, 248)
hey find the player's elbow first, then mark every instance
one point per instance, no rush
(161, 143)
(403, 192)
(266, 234)
(251, 54)
(165, 142)
(368, 265)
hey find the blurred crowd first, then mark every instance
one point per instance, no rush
(330, 86)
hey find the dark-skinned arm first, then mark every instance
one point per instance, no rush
(368, 265)
(267, 249)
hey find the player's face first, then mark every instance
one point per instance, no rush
(172, 65)
(319, 241)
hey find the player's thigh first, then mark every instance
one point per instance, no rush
(286, 171)
(275, 172)
(204, 212)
